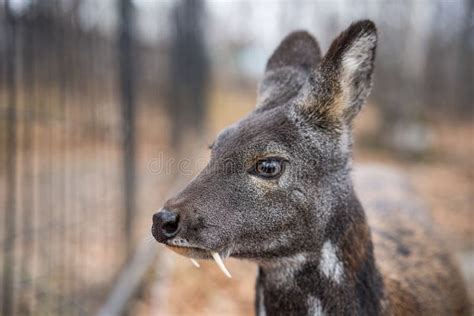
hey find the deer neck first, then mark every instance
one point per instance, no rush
(338, 278)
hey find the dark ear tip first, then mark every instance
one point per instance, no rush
(297, 36)
(298, 49)
(363, 27)
(356, 31)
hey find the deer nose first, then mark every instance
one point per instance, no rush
(165, 225)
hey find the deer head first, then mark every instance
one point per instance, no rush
(275, 178)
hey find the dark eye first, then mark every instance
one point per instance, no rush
(268, 168)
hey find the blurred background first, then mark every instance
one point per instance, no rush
(107, 108)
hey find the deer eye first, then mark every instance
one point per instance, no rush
(268, 168)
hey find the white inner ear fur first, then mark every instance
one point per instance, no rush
(358, 57)
(357, 60)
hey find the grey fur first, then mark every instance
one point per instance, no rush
(283, 224)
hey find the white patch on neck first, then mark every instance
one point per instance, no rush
(315, 307)
(330, 265)
(281, 272)
(291, 262)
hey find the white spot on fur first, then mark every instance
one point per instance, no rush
(281, 272)
(330, 265)
(290, 262)
(315, 307)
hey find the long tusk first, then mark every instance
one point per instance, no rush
(220, 264)
(195, 263)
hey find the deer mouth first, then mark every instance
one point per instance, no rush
(190, 252)
(200, 253)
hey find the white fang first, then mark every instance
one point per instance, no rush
(195, 263)
(220, 264)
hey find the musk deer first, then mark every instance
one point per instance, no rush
(278, 191)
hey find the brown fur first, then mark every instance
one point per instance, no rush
(420, 276)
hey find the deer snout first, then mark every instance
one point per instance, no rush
(165, 225)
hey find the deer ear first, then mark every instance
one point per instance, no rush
(288, 68)
(299, 50)
(340, 86)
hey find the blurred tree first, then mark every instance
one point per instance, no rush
(127, 94)
(10, 219)
(189, 70)
(449, 75)
(466, 58)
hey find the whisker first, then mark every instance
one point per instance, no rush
(148, 239)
